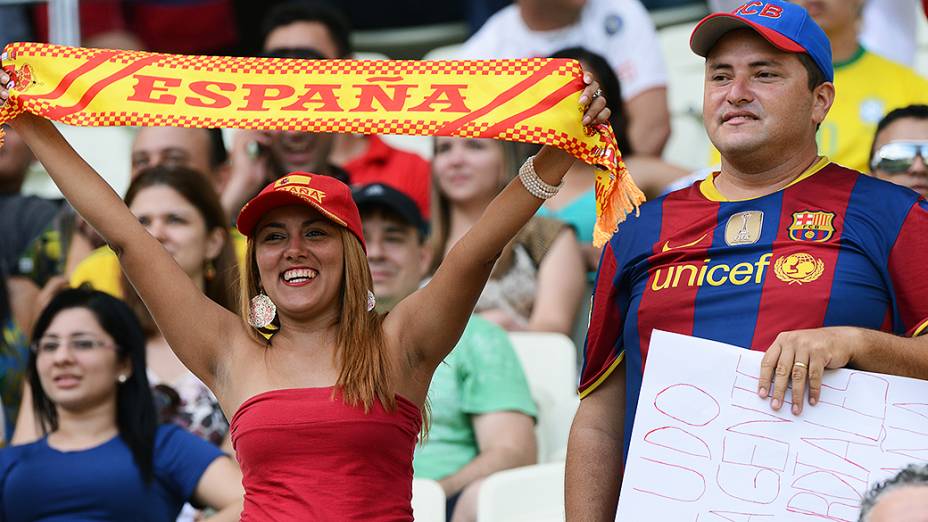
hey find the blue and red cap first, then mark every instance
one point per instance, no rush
(329, 196)
(787, 26)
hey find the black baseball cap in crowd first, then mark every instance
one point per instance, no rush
(379, 194)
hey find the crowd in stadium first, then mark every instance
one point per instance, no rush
(387, 333)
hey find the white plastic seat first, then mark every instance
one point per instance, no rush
(445, 52)
(689, 144)
(529, 494)
(550, 364)
(106, 149)
(428, 501)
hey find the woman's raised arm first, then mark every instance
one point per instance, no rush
(431, 320)
(194, 326)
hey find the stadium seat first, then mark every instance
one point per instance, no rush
(106, 149)
(428, 501)
(370, 55)
(550, 364)
(529, 494)
(409, 42)
(921, 51)
(688, 145)
(446, 52)
(422, 145)
(690, 11)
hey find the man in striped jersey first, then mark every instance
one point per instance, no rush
(781, 251)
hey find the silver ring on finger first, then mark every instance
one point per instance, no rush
(597, 94)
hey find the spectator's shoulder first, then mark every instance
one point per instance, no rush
(618, 17)
(887, 64)
(169, 434)
(632, 8)
(652, 209)
(483, 341)
(902, 75)
(502, 18)
(884, 194)
(174, 439)
(479, 335)
(478, 327)
(495, 29)
(101, 270)
(12, 455)
(176, 445)
(632, 238)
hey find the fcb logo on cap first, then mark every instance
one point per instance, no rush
(811, 225)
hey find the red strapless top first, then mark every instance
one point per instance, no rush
(306, 456)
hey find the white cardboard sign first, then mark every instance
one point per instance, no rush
(706, 448)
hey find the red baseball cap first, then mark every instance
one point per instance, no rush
(324, 193)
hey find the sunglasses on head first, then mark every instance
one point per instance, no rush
(898, 156)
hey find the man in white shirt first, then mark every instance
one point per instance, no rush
(619, 30)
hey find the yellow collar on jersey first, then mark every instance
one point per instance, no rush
(707, 186)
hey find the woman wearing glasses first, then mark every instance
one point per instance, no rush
(900, 148)
(103, 456)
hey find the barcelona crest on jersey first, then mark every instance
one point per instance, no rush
(812, 226)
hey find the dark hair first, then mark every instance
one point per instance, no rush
(912, 475)
(6, 311)
(815, 75)
(310, 11)
(217, 148)
(612, 90)
(388, 213)
(135, 409)
(196, 189)
(304, 53)
(914, 111)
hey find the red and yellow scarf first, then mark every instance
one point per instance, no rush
(533, 100)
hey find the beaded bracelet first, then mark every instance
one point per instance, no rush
(534, 184)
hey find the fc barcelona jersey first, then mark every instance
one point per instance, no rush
(834, 248)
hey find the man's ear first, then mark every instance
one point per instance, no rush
(425, 258)
(823, 97)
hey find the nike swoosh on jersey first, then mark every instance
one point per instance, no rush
(667, 246)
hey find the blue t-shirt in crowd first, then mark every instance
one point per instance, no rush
(38, 482)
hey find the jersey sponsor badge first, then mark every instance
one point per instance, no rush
(744, 228)
(798, 268)
(810, 225)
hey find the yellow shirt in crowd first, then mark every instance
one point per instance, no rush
(867, 87)
(101, 268)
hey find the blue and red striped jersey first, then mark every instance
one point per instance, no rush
(834, 248)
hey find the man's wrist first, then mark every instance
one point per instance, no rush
(861, 342)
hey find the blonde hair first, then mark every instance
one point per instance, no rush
(513, 155)
(365, 372)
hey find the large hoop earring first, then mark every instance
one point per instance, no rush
(261, 311)
(371, 301)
